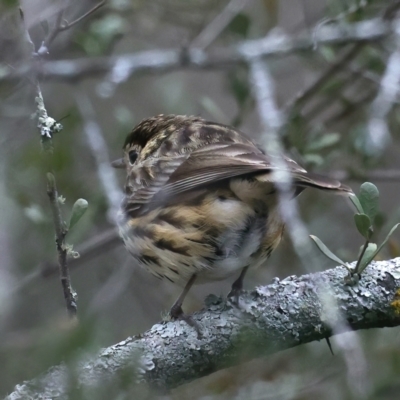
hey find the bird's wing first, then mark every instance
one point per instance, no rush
(218, 161)
(156, 180)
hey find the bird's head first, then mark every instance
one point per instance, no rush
(148, 136)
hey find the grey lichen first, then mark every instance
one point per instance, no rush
(47, 126)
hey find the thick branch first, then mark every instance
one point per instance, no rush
(281, 315)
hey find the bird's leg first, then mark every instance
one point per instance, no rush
(176, 311)
(237, 287)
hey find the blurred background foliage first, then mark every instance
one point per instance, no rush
(325, 131)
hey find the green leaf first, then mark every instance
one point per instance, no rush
(315, 159)
(367, 257)
(240, 25)
(363, 224)
(369, 199)
(78, 209)
(354, 199)
(326, 140)
(239, 86)
(327, 252)
(386, 239)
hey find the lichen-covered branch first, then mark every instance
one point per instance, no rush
(275, 317)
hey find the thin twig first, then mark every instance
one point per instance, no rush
(44, 48)
(62, 249)
(60, 27)
(315, 87)
(82, 17)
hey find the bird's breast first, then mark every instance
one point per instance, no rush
(213, 234)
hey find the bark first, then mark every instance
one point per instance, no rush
(271, 318)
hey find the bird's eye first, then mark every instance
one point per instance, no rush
(133, 155)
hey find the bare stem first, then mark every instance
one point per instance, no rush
(82, 17)
(357, 267)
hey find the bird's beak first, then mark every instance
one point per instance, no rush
(120, 163)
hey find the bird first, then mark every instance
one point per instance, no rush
(201, 201)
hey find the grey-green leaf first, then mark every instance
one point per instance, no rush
(78, 209)
(369, 199)
(327, 252)
(326, 140)
(386, 239)
(354, 199)
(363, 224)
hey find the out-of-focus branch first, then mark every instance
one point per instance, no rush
(279, 316)
(218, 24)
(275, 44)
(383, 175)
(378, 132)
(315, 87)
(272, 119)
(98, 148)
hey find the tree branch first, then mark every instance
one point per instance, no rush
(279, 316)
(273, 45)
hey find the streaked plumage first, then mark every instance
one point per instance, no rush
(200, 199)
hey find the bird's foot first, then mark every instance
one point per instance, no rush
(234, 294)
(176, 313)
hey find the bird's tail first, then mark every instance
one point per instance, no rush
(302, 180)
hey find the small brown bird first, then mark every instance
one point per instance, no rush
(200, 201)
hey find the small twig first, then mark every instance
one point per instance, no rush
(62, 248)
(44, 48)
(60, 27)
(82, 17)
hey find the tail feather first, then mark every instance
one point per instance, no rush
(321, 182)
(303, 180)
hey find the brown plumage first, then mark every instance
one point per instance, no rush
(200, 201)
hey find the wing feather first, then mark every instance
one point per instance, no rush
(175, 174)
